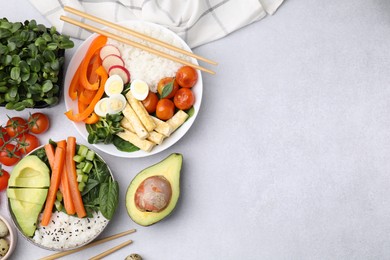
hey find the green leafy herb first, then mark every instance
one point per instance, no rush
(167, 89)
(105, 129)
(31, 59)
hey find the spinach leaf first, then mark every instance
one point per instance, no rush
(123, 145)
(108, 198)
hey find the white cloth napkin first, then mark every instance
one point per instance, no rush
(196, 21)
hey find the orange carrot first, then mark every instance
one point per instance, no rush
(50, 154)
(59, 159)
(64, 185)
(72, 177)
(83, 115)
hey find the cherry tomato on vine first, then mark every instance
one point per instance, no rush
(9, 155)
(184, 99)
(165, 109)
(4, 137)
(167, 87)
(4, 176)
(16, 126)
(150, 102)
(38, 123)
(27, 143)
(186, 76)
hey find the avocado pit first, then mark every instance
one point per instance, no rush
(153, 194)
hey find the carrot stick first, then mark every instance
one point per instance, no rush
(59, 159)
(72, 177)
(50, 154)
(64, 185)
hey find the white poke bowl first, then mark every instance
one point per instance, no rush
(179, 133)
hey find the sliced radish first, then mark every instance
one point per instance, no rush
(112, 60)
(121, 71)
(109, 49)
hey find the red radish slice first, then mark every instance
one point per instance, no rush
(109, 49)
(121, 71)
(112, 60)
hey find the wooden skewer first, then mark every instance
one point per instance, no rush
(132, 43)
(97, 242)
(112, 250)
(135, 33)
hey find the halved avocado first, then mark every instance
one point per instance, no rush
(167, 172)
(26, 214)
(30, 172)
(32, 195)
(27, 192)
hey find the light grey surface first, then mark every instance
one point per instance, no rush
(290, 155)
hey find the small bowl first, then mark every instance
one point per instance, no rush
(12, 237)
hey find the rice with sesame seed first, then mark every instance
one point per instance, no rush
(66, 232)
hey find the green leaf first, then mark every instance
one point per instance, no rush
(15, 73)
(51, 101)
(167, 89)
(123, 145)
(5, 33)
(35, 65)
(49, 55)
(108, 198)
(11, 46)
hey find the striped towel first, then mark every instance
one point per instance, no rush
(197, 22)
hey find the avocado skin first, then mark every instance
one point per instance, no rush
(170, 168)
(27, 192)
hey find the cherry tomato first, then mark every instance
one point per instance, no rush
(184, 99)
(38, 123)
(16, 126)
(150, 102)
(186, 76)
(4, 176)
(165, 109)
(9, 155)
(4, 137)
(27, 143)
(167, 87)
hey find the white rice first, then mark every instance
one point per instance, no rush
(65, 232)
(144, 65)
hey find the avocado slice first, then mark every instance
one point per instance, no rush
(32, 195)
(27, 192)
(26, 215)
(30, 172)
(167, 176)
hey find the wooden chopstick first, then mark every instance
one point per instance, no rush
(132, 43)
(97, 242)
(112, 250)
(135, 33)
